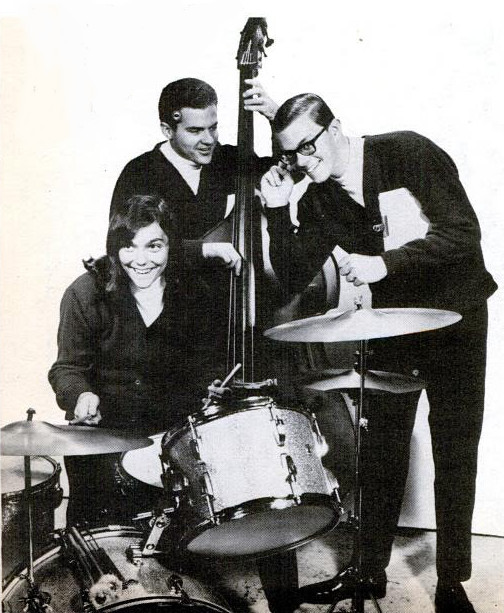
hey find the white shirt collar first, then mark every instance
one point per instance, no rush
(189, 170)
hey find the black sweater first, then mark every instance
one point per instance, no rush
(443, 270)
(141, 374)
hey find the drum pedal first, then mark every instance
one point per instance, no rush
(158, 524)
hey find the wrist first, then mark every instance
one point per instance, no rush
(382, 267)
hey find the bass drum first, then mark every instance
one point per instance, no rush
(141, 588)
(46, 496)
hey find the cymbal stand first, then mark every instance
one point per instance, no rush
(360, 424)
(36, 601)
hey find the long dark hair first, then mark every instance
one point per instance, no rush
(140, 211)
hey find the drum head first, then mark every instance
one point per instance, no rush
(265, 532)
(42, 468)
(144, 464)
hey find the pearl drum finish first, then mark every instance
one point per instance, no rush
(256, 484)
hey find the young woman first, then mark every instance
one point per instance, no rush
(124, 351)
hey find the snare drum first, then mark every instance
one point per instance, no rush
(46, 496)
(154, 586)
(256, 481)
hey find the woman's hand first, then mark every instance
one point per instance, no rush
(86, 410)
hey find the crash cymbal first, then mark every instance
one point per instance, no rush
(361, 324)
(376, 382)
(30, 438)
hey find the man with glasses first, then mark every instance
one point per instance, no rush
(443, 268)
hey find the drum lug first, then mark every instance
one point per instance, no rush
(315, 427)
(207, 493)
(291, 475)
(321, 446)
(337, 499)
(278, 428)
(194, 445)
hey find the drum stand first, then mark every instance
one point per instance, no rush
(356, 518)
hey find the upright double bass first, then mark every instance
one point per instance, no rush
(243, 226)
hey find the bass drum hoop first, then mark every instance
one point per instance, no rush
(164, 601)
(53, 554)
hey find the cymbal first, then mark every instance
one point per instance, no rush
(31, 438)
(361, 324)
(376, 382)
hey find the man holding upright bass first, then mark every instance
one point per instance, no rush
(196, 177)
(442, 269)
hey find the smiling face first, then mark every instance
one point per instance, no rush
(330, 153)
(145, 258)
(195, 136)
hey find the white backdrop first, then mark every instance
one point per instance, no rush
(79, 90)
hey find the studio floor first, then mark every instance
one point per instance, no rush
(411, 574)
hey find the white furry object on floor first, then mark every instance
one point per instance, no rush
(109, 589)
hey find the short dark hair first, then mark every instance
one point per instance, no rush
(189, 92)
(296, 106)
(139, 212)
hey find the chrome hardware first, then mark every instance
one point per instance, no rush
(195, 449)
(279, 433)
(207, 493)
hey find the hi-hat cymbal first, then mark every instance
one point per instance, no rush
(361, 324)
(376, 382)
(31, 438)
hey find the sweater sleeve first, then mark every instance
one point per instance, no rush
(297, 253)
(432, 177)
(70, 375)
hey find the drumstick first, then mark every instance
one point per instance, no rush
(224, 383)
(231, 375)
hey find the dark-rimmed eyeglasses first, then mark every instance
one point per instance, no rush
(307, 148)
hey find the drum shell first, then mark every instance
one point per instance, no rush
(46, 495)
(54, 576)
(244, 464)
(237, 472)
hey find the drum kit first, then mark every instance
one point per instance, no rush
(243, 476)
